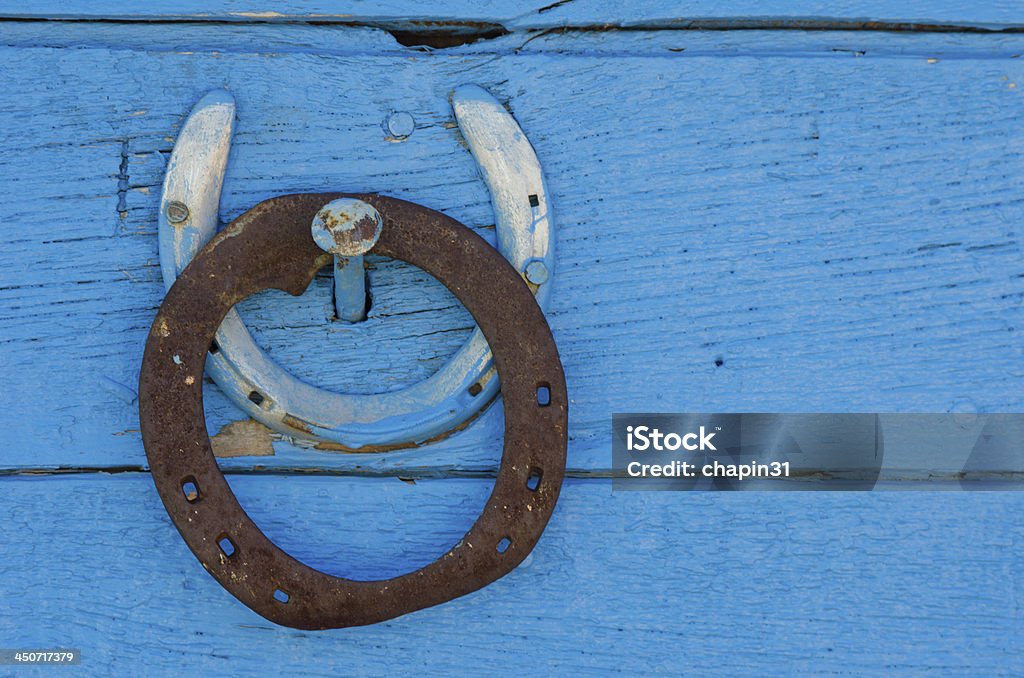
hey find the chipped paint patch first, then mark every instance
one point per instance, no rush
(241, 439)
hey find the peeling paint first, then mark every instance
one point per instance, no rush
(241, 439)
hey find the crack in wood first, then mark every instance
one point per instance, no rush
(122, 182)
(443, 34)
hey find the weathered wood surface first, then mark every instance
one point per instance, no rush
(839, 231)
(832, 216)
(530, 14)
(631, 583)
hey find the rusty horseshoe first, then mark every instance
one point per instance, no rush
(271, 246)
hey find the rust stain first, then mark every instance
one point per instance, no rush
(327, 446)
(297, 423)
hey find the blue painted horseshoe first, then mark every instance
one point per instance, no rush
(421, 412)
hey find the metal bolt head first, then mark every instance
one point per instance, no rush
(400, 125)
(347, 227)
(537, 272)
(177, 212)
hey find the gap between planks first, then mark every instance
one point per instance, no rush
(443, 34)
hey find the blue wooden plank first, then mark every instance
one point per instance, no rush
(632, 583)
(528, 14)
(752, 13)
(838, 230)
(834, 216)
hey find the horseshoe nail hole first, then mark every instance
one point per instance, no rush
(534, 200)
(543, 394)
(281, 596)
(533, 481)
(214, 348)
(503, 545)
(190, 490)
(475, 389)
(227, 547)
(256, 397)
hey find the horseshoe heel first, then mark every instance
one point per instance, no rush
(271, 246)
(421, 412)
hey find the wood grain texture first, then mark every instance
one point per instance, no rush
(838, 229)
(528, 14)
(915, 15)
(632, 583)
(832, 216)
